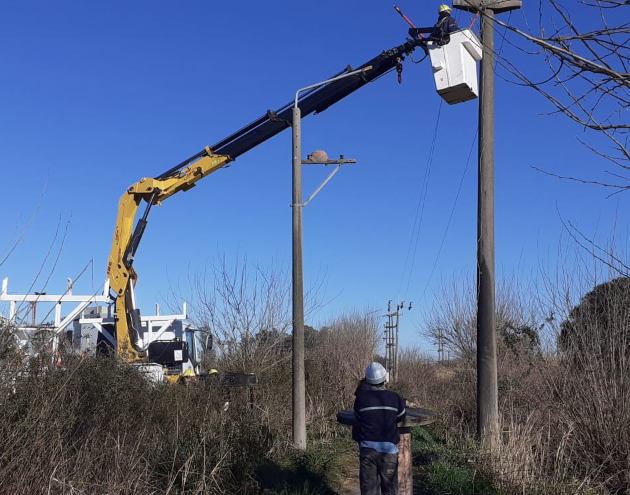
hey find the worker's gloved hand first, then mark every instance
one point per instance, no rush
(414, 32)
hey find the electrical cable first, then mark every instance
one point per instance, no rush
(417, 223)
(497, 52)
(448, 223)
(420, 207)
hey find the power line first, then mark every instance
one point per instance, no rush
(415, 231)
(461, 182)
(450, 218)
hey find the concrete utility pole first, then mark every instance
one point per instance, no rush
(487, 390)
(299, 385)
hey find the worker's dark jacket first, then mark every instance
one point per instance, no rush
(377, 411)
(445, 25)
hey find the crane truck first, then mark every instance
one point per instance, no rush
(455, 77)
(182, 177)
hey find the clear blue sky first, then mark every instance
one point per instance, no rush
(96, 95)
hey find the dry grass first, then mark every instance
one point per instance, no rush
(97, 426)
(564, 419)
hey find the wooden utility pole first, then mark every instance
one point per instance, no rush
(487, 390)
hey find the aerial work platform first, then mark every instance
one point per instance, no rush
(455, 67)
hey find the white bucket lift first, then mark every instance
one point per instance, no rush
(455, 67)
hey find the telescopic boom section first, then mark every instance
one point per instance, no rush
(182, 177)
(316, 101)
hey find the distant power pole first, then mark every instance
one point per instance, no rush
(487, 389)
(391, 339)
(389, 327)
(440, 344)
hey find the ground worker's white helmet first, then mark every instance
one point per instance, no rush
(375, 373)
(444, 8)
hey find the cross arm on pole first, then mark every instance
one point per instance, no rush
(497, 6)
(341, 161)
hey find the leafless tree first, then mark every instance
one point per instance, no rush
(247, 309)
(585, 45)
(19, 233)
(452, 321)
(343, 349)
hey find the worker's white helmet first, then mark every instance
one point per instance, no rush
(444, 8)
(375, 373)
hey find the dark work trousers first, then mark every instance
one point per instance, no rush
(378, 473)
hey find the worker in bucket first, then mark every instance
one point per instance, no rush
(377, 413)
(444, 26)
(440, 33)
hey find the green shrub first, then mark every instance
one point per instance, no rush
(445, 478)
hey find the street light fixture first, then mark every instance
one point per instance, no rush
(314, 159)
(299, 389)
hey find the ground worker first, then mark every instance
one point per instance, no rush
(211, 378)
(361, 386)
(188, 377)
(440, 33)
(377, 413)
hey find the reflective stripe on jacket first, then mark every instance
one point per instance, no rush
(377, 411)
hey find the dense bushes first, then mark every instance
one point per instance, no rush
(96, 426)
(564, 414)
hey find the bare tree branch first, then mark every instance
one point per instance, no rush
(588, 79)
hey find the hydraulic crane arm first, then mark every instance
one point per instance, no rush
(317, 100)
(122, 276)
(183, 176)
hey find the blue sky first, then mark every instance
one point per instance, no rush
(96, 95)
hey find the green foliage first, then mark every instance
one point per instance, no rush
(521, 339)
(98, 426)
(447, 465)
(306, 489)
(317, 470)
(446, 478)
(598, 327)
(421, 440)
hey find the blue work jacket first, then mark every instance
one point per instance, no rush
(377, 411)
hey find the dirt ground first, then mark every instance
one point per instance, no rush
(351, 486)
